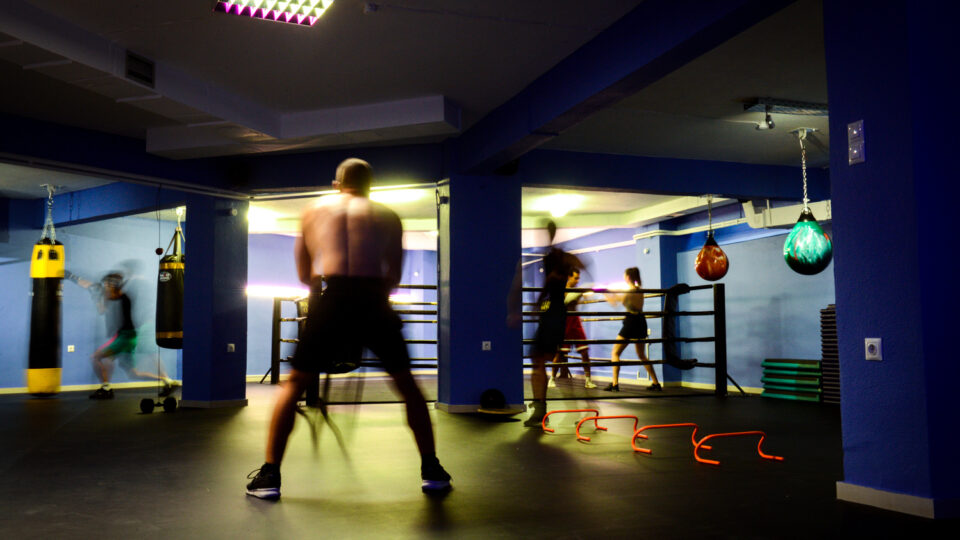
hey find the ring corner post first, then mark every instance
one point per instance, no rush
(275, 344)
(720, 339)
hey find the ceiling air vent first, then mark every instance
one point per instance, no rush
(139, 69)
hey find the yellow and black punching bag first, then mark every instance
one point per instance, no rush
(170, 296)
(46, 269)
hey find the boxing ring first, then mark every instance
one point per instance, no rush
(411, 313)
(668, 339)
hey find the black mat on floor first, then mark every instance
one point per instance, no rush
(347, 390)
(76, 468)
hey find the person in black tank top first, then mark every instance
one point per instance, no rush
(634, 327)
(123, 343)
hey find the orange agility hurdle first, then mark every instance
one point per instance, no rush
(595, 418)
(543, 423)
(639, 433)
(700, 445)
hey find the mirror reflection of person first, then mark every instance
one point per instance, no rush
(117, 307)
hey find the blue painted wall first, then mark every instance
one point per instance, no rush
(772, 312)
(92, 250)
(271, 263)
(892, 218)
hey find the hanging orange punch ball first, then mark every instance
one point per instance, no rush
(712, 263)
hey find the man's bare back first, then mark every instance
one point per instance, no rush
(347, 234)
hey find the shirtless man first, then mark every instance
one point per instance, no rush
(356, 245)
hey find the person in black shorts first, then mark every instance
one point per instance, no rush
(350, 314)
(355, 244)
(557, 267)
(634, 327)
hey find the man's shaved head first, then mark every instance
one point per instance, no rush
(354, 175)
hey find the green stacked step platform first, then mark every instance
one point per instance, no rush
(785, 378)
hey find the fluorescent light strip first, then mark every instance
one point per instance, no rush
(301, 12)
(311, 194)
(284, 291)
(276, 291)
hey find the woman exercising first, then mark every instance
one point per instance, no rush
(634, 327)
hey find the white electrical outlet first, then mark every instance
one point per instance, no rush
(485, 346)
(872, 348)
(70, 348)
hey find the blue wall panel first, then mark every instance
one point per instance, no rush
(878, 398)
(772, 312)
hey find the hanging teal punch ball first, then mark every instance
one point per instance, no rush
(808, 249)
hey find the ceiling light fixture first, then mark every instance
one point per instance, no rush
(302, 12)
(261, 220)
(560, 204)
(276, 291)
(397, 196)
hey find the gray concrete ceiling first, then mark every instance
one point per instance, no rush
(413, 71)
(697, 112)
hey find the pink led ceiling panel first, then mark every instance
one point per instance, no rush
(304, 12)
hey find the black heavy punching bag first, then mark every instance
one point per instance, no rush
(46, 269)
(170, 295)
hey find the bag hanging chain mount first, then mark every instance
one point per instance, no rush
(177, 234)
(801, 134)
(48, 229)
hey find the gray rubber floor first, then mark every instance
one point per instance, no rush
(75, 468)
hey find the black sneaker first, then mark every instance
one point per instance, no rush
(265, 485)
(102, 393)
(435, 479)
(535, 420)
(655, 387)
(536, 417)
(612, 388)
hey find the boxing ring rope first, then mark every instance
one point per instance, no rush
(719, 338)
(275, 359)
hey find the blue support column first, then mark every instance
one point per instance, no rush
(478, 253)
(893, 224)
(215, 304)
